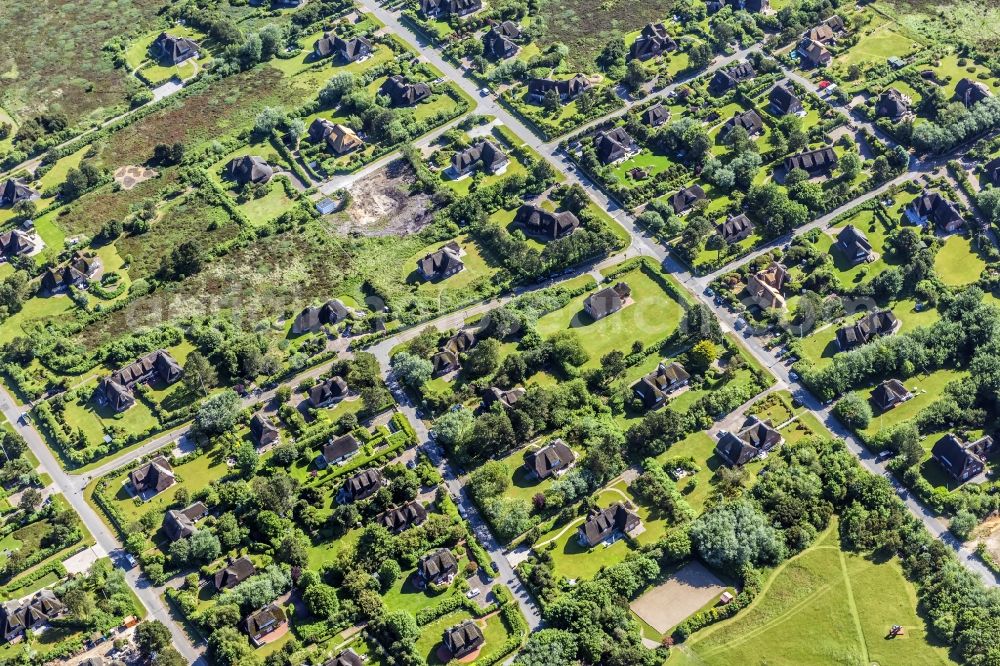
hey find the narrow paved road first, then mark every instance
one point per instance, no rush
(650, 247)
(72, 485)
(71, 488)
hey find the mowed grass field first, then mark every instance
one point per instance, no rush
(432, 635)
(957, 263)
(651, 317)
(823, 606)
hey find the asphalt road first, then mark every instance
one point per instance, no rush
(72, 485)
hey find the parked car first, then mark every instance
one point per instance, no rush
(473, 593)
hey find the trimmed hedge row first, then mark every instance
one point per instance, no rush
(752, 585)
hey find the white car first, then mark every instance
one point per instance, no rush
(473, 593)
(484, 92)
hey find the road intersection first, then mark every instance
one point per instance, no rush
(72, 485)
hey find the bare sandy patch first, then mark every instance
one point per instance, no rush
(667, 605)
(130, 176)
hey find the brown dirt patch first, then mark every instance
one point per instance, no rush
(989, 533)
(684, 593)
(130, 176)
(382, 203)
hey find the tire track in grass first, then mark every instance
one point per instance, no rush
(854, 609)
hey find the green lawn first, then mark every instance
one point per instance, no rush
(405, 595)
(36, 310)
(431, 636)
(957, 263)
(876, 232)
(651, 317)
(94, 419)
(522, 485)
(823, 606)
(193, 475)
(925, 388)
(651, 162)
(477, 268)
(881, 43)
(574, 561)
(463, 186)
(137, 55)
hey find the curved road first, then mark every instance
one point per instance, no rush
(72, 485)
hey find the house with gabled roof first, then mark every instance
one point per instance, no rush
(725, 79)
(765, 286)
(341, 140)
(873, 325)
(654, 388)
(813, 53)
(888, 394)
(346, 658)
(685, 199)
(234, 573)
(402, 92)
(814, 162)
(178, 524)
(442, 263)
(735, 228)
(483, 153)
(500, 46)
(174, 50)
(544, 223)
(655, 115)
(752, 6)
(962, 460)
(16, 618)
(444, 362)
(651, 42)
(337, 450)
(153, 477)
(609, 523)
(442, 8)
(402, 518)
(991, 171)
(827, 31)
(313, 317)
(264, 621)
(614, 145)
(607, 301)
(462, 341)
(248, 169)
(783, 101)
(263, 431)
(970, 92)
(327, 392)
(437, 567)
(757, 438)
(116, 390)
(934, 207)
(553, 459)
(893, 105)
(567, 89)
(855, 247)
(347, 50)
(14, 191)
(749, 120)
(463, 639)
(362, 485)
(506, 399)
(16, 243)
